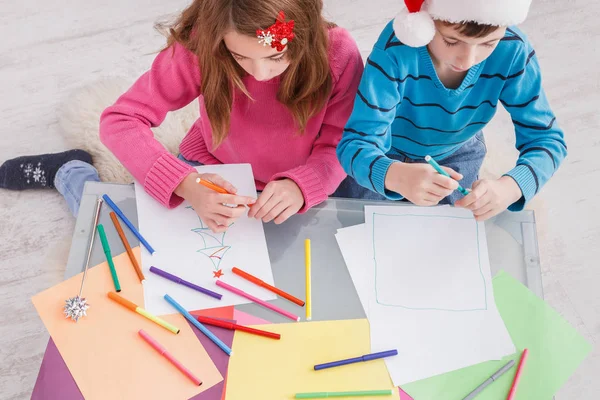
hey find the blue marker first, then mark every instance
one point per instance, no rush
(366, 357)
(118, 211)
(198, 325)
(439, 169)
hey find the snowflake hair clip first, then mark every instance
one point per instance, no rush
(277, 35)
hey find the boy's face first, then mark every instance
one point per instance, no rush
(457, 52)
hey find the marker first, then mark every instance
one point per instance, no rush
(366, 357)
(356, 393)
(265, 285)
(130, 254)
(163, 352)
(263, 303)
(183, 282)
(439, 169)
(118, 211)
(307, 263)
(133, 307)
(490, 380)
(109, 259)
(513, 388)
(235, 327)
(198, 325)
(212, 186)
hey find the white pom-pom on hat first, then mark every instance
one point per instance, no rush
(414, 29)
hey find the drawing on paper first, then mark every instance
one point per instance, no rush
(439, 259)
(213, 245)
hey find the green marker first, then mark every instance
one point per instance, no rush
(109, 259)
(439, 169)
(357, 393)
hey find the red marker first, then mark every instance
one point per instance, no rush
(513, 388)
(233, 327)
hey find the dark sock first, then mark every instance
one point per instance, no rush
(33, 172)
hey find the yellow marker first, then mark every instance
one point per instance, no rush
(141, 311)
(308, 291)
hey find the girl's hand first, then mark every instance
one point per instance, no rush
(209, 205)
(279, 200)
(490, 197)
(420, 183)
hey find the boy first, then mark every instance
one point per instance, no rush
(433, 81)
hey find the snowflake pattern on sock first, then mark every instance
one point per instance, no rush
(37, 174)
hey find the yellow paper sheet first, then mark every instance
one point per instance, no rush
(105, 354)
(278, 369)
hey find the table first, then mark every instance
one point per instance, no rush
(511, 237)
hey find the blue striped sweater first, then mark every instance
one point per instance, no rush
(403, 108)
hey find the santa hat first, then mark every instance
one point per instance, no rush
(414, 24)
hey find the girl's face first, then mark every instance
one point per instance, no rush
(262, 62)
(457, 52)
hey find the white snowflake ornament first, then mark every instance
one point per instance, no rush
(265, 38)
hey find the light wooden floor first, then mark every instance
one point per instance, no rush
(49, 48)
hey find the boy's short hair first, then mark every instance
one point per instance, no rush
(471, 29)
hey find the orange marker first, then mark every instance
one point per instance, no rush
(212, 186)
(264, 284)
(133, 307)
(134, 262)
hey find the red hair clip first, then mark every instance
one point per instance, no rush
(277, 35)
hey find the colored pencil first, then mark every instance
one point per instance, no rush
(198, 325)
(212, 186)
(354, 393)
(235, 327)
(265, 285)
(439, 169)
(307, 262)
(117, 210)
(134, 262)
(366, 357)
(163, 352)
(109, 259)
(183, 282)
(513, 388)
(257, 300)
(134, 307)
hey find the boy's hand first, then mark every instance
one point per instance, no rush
(420, 183)
(490, 197)
(210, 205)
(279, 200)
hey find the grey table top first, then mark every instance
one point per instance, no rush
(511, 237)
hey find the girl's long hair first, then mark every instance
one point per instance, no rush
(305, 85)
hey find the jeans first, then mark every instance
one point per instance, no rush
(71, 178)
(466, 160)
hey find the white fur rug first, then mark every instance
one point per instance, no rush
(79, 121)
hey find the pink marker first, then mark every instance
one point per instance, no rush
(163, 352)
(257, 300)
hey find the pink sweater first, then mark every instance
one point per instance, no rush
(262, 132)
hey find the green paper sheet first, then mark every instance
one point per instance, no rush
(555, 350)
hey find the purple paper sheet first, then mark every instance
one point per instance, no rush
(55, 382)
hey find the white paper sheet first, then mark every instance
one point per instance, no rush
(185, 247)
(410, 307)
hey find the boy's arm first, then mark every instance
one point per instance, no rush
(539, 139)
(367, 137)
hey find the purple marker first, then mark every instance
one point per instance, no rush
(366, 357)
(177, 279)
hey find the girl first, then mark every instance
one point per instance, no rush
(276, 83)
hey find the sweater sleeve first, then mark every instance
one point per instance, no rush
(367, 136)
(539, 139)
(172, 82)
(322, 173)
